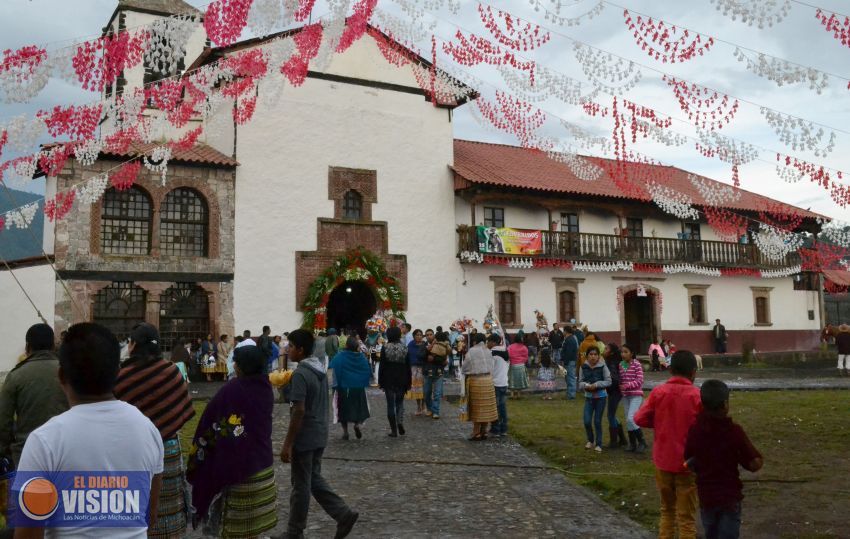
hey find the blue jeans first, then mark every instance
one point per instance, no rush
(721, 523)
(571, 379)
(631, 405)
(395, 404)
(614, 398)
(501, 426)
(433, 389)
(593, 410)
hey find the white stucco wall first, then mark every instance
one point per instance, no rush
(38, 281)
(282, 187)
(727, 298)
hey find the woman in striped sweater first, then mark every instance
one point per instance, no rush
(631, 387)
(156, 387)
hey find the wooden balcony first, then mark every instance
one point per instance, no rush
(610, 248)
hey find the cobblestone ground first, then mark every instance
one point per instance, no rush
(434, 483)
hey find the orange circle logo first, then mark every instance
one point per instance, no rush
(38, 498)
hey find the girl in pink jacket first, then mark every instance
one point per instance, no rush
(631, 386)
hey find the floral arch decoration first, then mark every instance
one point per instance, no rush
(358, 264)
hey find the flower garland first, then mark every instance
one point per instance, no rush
(225, 20)
(21, 217)
(91, 191)
(667, 44)
(512, 32)
(820, 175)
(782, 72)
(690, 268)
(555, 16)
(840, 29)
(775, 243)
(734, 152)
(728, 226)
(706, 108)
(755, 11)
(59, 206)
(714, 193)
(614, 76)
(672, 202)
(799, 134)
(356, 265)
(23, 73)
(126, 176)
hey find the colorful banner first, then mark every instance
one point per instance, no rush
(509, 241)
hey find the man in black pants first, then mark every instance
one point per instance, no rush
(306, 439)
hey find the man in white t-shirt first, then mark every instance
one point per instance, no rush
(98, 434)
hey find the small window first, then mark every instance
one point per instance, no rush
(507, 307)
(569, 222)
(567, 306)
(494, 217)
(634, 227)
(762, 313)
(806, 281)
(697, 309)
(352, 206)
(125, 222)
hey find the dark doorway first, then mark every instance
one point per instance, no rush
(639, 320)
(350, 305)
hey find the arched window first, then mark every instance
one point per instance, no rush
(184, 223)
(567, 306)
(184, 314)
(125, 222)
(352, 205)
(119, 307)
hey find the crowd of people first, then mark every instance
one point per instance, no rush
(57, 412)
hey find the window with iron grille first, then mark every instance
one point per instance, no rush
(494, 217)
(184, 314)
(119, 307)
(352, 205)
(125, 222)
(569, 223)
(634, 227)
(184, 223)
(507, 307)
(567, 305)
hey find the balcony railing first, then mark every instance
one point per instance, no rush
(610, 248)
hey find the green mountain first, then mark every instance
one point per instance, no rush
(16, 244)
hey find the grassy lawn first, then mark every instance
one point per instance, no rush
(188, 430)
(802, 491)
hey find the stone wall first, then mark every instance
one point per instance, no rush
(77, 237)
(86, 270)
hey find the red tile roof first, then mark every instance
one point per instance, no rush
(200, 154)
(515, 167)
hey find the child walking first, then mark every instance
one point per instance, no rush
(631, 386)
(671, 409)
(546, 374)
(714, 449)
(595, 377)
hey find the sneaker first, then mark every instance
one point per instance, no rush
(435, 416)
(427, 413)
(588, 445)
(598, 449)
(344, 526)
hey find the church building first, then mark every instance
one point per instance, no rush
(349, 195)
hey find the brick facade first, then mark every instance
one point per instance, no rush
(77, 247)
(336, 236)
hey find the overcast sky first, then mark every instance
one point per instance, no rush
(798, 38)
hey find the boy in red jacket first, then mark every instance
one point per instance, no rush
(671, 410)
(715, 447)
